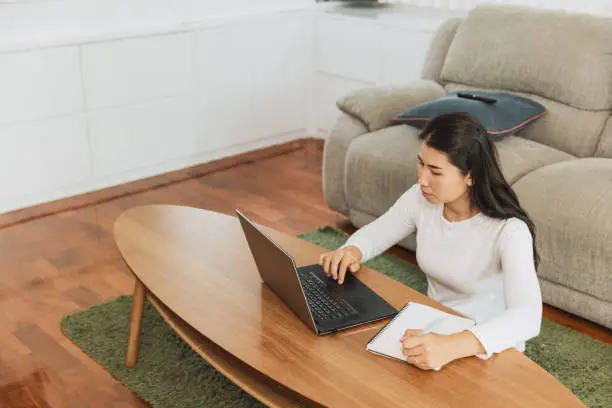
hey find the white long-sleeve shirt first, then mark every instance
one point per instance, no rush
(481, 267)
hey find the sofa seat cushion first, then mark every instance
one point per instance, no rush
(520, 156)
(571, 205)
(382, 165)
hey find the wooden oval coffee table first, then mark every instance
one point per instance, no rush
(196, 268)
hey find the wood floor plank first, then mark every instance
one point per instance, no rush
(60, 257)
(45, 348)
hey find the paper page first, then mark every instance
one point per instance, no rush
(415, 316)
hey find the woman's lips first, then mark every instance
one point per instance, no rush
(425, 194)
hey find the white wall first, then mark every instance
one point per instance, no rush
(88, 103)
(357, 48)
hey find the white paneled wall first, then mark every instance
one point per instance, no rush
(281, 73)
(348, 47)
(136, 70)
(142, 135)
(38, 157)
(222, 72)
(103, 111)
(347, 55)
(38, 85)
(259, 75)
(403, 54)
(368, 47)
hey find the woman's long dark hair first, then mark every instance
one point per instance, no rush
(468, 146)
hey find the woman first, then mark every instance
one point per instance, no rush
(475, 244)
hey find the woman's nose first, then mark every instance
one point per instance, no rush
(423, 181)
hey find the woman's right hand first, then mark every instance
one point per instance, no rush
(336, 263)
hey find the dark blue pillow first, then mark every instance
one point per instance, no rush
(501, 113)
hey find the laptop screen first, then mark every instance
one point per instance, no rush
(277, 269)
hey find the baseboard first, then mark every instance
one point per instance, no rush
(208, 163)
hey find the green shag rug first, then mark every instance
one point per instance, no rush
(170, 375)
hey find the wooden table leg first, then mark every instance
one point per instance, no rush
(135, 323)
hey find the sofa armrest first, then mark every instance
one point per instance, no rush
(376, 106)
(346, 129)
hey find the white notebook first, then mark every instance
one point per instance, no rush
(414, 316)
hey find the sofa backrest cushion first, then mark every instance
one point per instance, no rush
(561, 56)
(438, 48)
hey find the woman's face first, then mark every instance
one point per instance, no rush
(440, 180)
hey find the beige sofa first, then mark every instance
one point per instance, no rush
(560, 166)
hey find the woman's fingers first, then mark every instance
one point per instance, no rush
(410, 332)
(416, 358)
(414, 352)
(327, 264)
(342, 270)
(335, 263)
(322, 261)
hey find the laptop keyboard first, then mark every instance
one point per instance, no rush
(322, 305)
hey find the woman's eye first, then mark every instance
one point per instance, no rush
(436, 174)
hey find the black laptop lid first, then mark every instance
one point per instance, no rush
(277, 269)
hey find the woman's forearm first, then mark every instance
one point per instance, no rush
(388, 229)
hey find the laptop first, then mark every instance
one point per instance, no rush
(319, 301)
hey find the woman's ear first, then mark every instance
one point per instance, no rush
(468, 179)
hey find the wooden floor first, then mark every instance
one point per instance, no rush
(60, 257)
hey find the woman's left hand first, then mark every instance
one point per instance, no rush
(427, 351)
